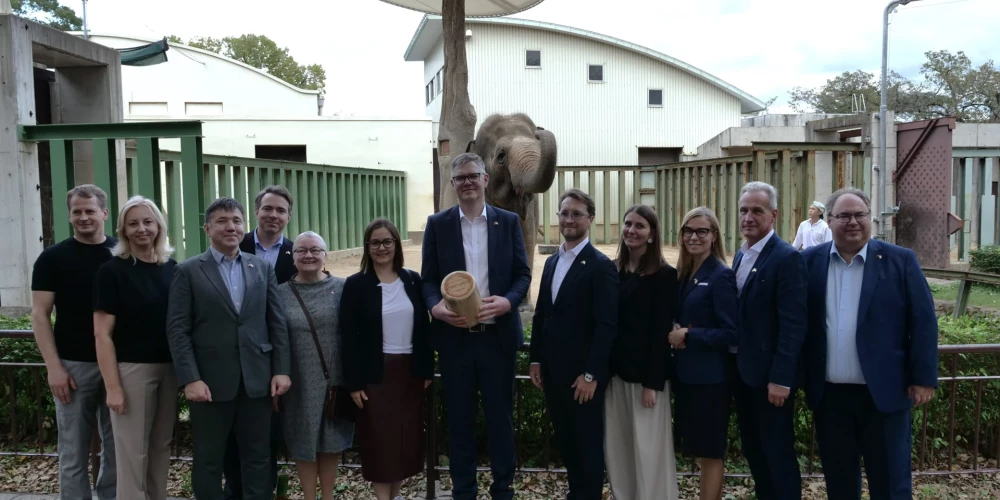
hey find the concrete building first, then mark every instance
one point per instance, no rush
(609, 102)
(249, 113)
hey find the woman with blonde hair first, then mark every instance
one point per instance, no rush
(701, 344)
(130, 325)
(638, 438)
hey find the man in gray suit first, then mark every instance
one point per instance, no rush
(229, 343)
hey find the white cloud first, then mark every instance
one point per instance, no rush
(765, 47)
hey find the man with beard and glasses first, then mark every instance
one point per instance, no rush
(574, 327)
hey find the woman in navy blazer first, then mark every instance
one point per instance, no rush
(387, 359)
(706, 329)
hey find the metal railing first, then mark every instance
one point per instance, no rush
(959, 397)
(965, 281)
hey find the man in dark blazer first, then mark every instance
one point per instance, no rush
(871, 352)
(229, 344)
(272, 209)
(771, 279)
(574, 327)
(486, 242)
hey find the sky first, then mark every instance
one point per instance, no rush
(764, 47)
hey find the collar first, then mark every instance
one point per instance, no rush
(256, 240)
(863, 253)
(576, 250)
(757, 246)
(463, 215)
(219, 257)
(818, 222)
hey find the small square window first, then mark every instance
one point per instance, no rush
(656, 97)
(595, 73)
(533, 58)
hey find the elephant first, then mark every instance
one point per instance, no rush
(520, 160)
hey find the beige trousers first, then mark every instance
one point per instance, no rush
(639, 443)
(144, 432)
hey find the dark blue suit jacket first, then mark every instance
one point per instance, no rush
(510, 275)
(897, 334)
(574, 335)
(708, 310)
(772, 316)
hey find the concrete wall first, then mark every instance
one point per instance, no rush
(976, 135)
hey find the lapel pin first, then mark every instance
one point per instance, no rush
(583, 262)
(287, 252)
(696, 282)
(496, 223)
(753, 270)
(879, 256)
(250, 265)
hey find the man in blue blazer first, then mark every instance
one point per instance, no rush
(574, 327)
(486, 242)
(871, 352)
(771, 279)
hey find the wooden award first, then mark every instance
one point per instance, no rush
(462, 295)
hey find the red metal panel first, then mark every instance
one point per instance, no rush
(923, 189)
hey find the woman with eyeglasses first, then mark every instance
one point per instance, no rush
(311, 302)
(638, 440)
(701, 344)
(388, 362)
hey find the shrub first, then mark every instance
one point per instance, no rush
(986, 259)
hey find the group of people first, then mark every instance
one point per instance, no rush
(269, 348)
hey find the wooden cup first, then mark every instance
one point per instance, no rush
(462, 295)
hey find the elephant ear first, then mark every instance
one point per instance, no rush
(471, 146)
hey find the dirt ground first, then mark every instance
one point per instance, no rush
(412, 255)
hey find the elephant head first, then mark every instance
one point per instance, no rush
(520, 159)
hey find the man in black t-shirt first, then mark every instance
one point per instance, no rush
(63, 277)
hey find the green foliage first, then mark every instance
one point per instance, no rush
(986, 259)
(982, 295)
(263, 53)
(949, 86)
(49, 13)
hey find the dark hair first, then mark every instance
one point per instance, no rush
(652, 260)
(88, 191)
(224, 204)
(582, 197)
(279, 190)
(366, 257)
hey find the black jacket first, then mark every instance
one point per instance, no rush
(284, 268)
(646, 310)
(361, 330)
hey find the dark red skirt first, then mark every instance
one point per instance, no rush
(391, 424)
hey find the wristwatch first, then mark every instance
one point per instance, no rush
(588, 378)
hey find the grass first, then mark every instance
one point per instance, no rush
(981, 296)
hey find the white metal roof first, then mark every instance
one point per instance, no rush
(473, 8)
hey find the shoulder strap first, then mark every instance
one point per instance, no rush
(312, 328)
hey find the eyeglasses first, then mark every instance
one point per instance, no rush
(462, 179)
(570, 215)
(701, 232)
(846, 218)
(387, 243)
(316, 251)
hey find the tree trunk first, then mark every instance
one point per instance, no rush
(458, 117)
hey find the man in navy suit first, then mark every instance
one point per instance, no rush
(574, 327)
(871, 351)
(486, 242)
(771, 279)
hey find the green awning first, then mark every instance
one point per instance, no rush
(147, 55)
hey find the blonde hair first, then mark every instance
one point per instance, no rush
(685, 262)
(161, 247)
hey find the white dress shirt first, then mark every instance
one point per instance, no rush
(843, 295)
(749, 259)
(475, 242)
(810, 235)
(566, 258)
(397, 319)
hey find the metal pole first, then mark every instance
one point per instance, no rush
(86, 35)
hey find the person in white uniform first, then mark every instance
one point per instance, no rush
(814, 230)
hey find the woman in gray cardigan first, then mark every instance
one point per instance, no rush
(313, 440)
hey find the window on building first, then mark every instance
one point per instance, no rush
(656, 97)
(281, 152)
(439, 77)
(595, 72)
(533, 59)
(427, 93)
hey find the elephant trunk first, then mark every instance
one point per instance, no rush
(533, 162)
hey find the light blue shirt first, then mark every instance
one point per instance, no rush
(231, 270)
(268, 254)
(843, 295)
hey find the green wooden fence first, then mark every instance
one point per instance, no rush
(336, 202)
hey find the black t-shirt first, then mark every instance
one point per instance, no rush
(68, 269)
(135, 292)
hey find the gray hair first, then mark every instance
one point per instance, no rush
(762, 187)
(832, 200)
(464, 158)
(311, 234)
